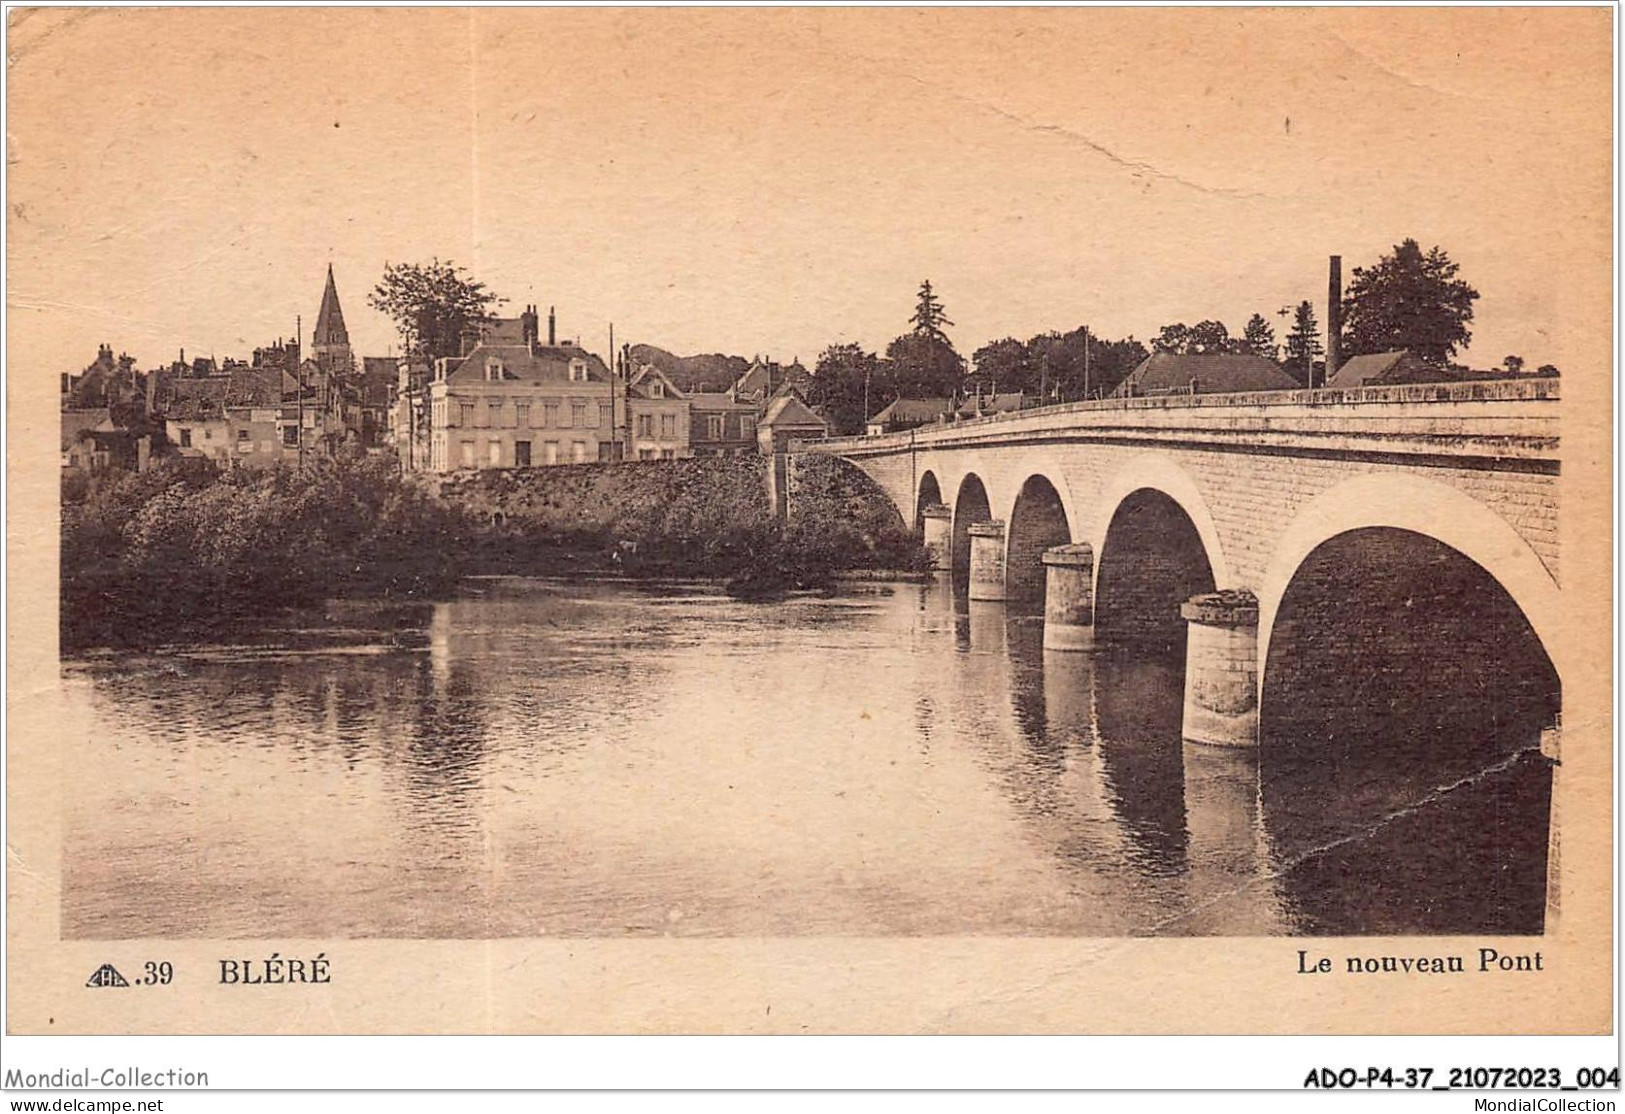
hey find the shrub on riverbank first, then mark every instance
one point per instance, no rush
(706, 517)
(180, 550)
(177, 549)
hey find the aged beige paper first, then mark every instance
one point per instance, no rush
(1234, 703)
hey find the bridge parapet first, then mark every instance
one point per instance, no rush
(1501, 420)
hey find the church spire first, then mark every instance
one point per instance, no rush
(330, 340)
(330, 328)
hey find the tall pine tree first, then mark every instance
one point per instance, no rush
(1303, 345)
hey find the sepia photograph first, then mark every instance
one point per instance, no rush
(950, 510)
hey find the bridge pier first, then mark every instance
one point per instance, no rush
(986, 580)
(936, 523)
(1069, 597)
(1221, 669)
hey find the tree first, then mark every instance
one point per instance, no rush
(1210, 338)
(924, 363)
(1513, 365)
(1175, 339)
(1201, 339)
(1259, 338)
(1007, 365)
(1303, 344)
(841, 379)
(1548, 371)
(434, 306)
(1408, 300)
(929, 317)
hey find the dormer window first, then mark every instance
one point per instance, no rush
(578, 371)
(494, 370)
(657, 389)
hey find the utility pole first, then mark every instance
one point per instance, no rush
(299, 373)
(612, 362)
(1086, 363)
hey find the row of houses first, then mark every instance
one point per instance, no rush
(284, 403)
(508, 401)
(517, 401)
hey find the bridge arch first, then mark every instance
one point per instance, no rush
(1434, 510)
(971, 505)
(1038, 519)
(1156, 545)
(1409, 667)
(928, 494)
(1161, 473)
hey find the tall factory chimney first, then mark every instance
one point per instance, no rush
(1334, 320)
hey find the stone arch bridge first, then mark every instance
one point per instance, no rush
(1226, 515)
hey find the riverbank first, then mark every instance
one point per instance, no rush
(181, 552)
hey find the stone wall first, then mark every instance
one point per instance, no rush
(676, 499)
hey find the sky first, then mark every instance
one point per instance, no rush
(775, 181)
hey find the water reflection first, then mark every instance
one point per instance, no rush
(593, 760)
(1139, 702)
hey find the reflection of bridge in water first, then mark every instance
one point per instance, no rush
(1355, 593)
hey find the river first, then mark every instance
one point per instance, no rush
(540, 758)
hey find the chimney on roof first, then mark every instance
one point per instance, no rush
(552, 327)
(1334, 320)
(530, 324)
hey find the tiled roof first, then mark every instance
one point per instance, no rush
(543, 364)
(255, 387)
(1214, 374)
(197, 399)
(915, 410)
(789, 410)
(719, 400)
(648, 375)
(1385, 368)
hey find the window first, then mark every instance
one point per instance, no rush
(493, 414)
(578, 371)
(646, 454)
(713, 427)
(550, 452)
(495, 451)
(578, 414)
(468, 454)
(521, 454)
(550, 414)
(290, 435)
(465, 414)
(668, 454)
(606, 452)
(668, 425)
(657, 389)
(521, 415)
(494, 368)
(242, 435)
(645, 424)
(606, 416)
(186, 438)
(578, 452)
